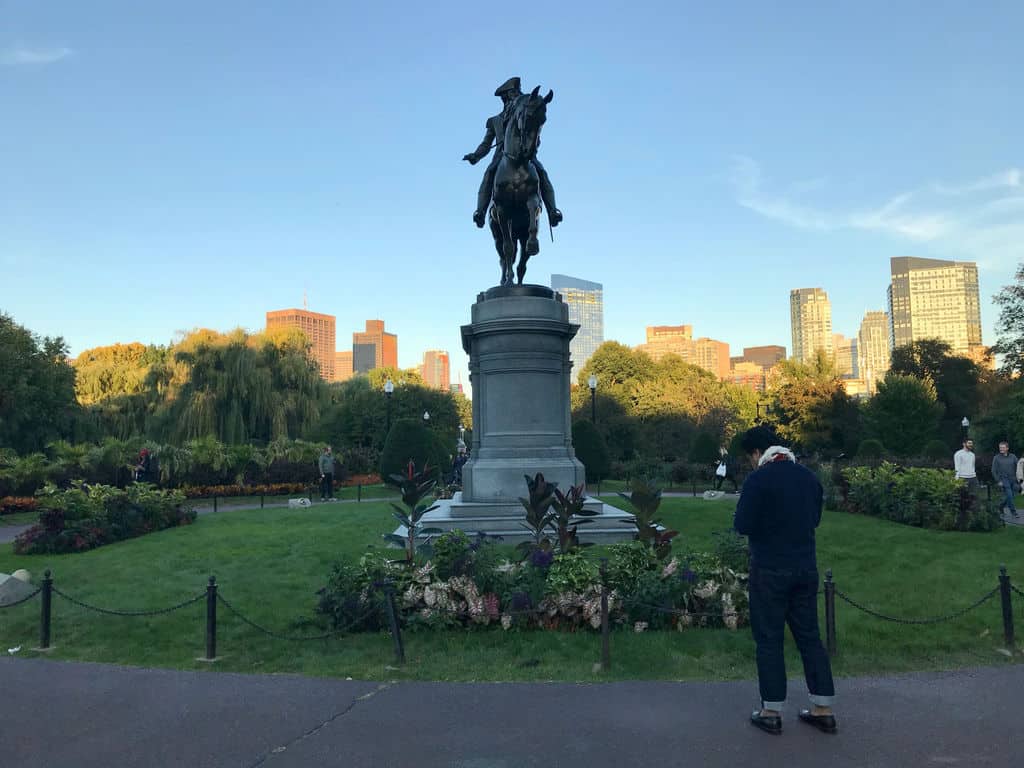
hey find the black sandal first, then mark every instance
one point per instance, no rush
(825, 723)
(767, 723)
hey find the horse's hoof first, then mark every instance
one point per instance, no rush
(532, 247)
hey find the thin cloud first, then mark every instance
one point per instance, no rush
(978, 218)
(35, 56)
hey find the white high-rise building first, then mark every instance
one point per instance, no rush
(810, 316)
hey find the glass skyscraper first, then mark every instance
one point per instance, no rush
(586, 308)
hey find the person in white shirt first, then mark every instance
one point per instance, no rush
(963, 464)
(1020, 471)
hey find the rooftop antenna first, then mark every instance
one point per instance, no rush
(305, 301)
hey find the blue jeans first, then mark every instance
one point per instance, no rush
(778, 598)
(1008, 495)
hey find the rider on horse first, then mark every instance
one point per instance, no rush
(508, 92)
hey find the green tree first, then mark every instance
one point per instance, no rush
(903, 414)
(958, 380)
(591, 450)
(1010, 344)
(811, 408)
(115, 370)
(37, 388)
(409, 439)
(704, 450)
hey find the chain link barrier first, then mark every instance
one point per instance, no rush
(270, 633)
(933, 620)
(1016, 589)
(25, 599)
(111, 612)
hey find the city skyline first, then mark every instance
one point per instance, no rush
(153, 191)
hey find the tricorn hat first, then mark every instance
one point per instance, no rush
(512, 84)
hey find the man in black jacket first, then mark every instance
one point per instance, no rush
(779, 508)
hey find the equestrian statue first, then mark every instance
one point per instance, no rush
(515, 183)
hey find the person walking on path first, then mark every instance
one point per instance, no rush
(725, 471)
(779, 508)
(1004, 469)
(326, 475)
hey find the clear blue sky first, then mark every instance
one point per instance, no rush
(169, 165)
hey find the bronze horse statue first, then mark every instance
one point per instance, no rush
(515, 201)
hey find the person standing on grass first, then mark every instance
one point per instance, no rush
(1004, 469)
(779, 508)
(326, 474)
(963, 464)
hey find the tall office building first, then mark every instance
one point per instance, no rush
(436, 369)
(810, 316)
(710, 354)
(320, 330)
(748, 374)
(873, 355)
(668, 340)
(374, 348)
(935, 299)
(766, 356)
(586, 308)
(343, 366)
(846, 356)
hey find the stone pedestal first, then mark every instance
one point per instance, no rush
(518, 347)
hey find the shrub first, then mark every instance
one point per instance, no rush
(936, 450)
(10, 505)
(409, 439)
(870, 449)
(591, 450)
(922, 497)
(704, 450)
(82, 518)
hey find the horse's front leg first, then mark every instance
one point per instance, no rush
(532, 244)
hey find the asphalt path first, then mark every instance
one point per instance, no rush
(80, 715)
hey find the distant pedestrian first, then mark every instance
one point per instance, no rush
(964, 465)
(724, 470)
(1004, 469)
(144, 467)
(779, 509)
(1020, 472)
(326, 474)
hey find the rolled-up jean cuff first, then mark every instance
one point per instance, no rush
(775, 706)
(822, 701)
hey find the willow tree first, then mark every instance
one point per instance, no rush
(238, 387)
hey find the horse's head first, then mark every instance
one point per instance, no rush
(523, 128)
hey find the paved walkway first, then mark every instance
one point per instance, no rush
(78, 715)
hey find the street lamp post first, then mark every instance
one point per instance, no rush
(389, 389)
(965, 425)
(592, 383)
(426, 418)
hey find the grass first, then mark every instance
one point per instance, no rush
(269, 564)
(347, 493)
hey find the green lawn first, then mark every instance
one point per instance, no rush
(269, 564)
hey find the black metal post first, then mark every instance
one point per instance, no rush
(261, 501)
(214, 503)
(830, 613)
(387, 398)
(606, 652)
(211, 619)
(396, 630)
(693, 486)
(1004, 593)
(593, 405)
(359, 491)
(44, 611)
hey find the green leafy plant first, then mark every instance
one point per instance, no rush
(645, 498)
(416, 487)
(570, 514)
(539, 516)
(570, 572)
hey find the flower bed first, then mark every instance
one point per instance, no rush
(467, 584)
(82, 518)
(10, 505)
(268, 489)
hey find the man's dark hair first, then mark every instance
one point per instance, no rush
(759, 438)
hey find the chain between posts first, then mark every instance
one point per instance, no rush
(111, 612)
(270, 633)
(933, 620)
(25, 599)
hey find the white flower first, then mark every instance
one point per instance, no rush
(506, 621)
